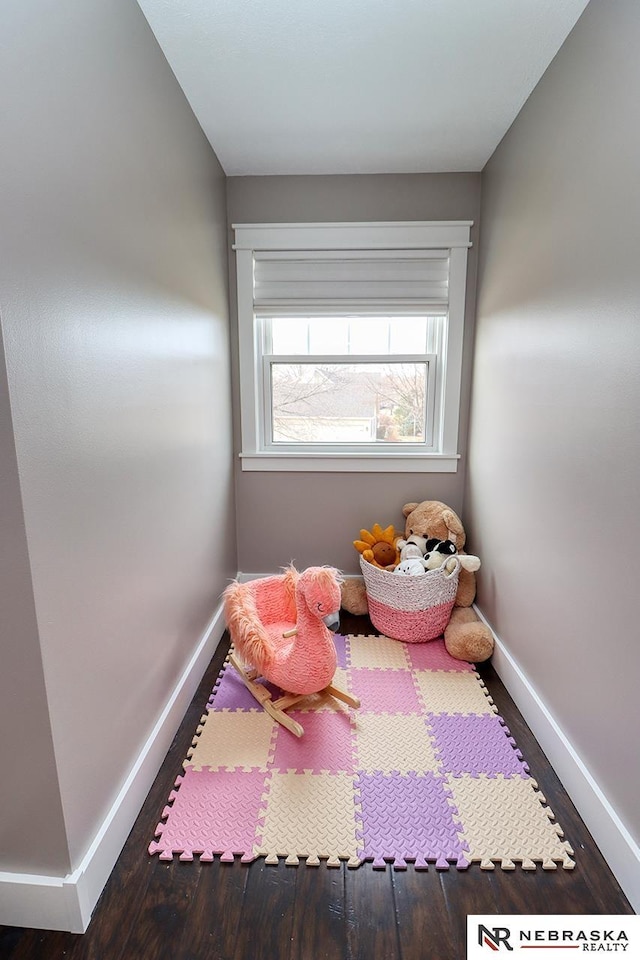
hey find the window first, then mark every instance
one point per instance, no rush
(348, 381)
(350, 340)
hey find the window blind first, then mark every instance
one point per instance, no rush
(400, 280)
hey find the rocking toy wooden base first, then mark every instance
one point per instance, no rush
(277, 708)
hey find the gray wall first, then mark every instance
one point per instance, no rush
(114, 304)
(30, 773)
(554, 459)
(313, 518)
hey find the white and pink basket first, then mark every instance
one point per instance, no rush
(414, 609)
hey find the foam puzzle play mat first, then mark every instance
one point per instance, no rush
(425, 772)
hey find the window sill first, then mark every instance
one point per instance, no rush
(350, 462)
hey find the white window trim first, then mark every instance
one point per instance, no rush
(422, 235)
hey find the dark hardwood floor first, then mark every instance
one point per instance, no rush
(152, 910)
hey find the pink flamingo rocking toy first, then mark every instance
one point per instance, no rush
(280, 627)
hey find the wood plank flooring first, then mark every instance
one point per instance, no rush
(152, 910)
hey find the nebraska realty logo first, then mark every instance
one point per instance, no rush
(487, 935)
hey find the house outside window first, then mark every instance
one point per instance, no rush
(350, 340)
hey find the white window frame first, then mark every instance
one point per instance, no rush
(257, 454)
(428, 359)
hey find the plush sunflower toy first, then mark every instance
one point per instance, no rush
(379, 546)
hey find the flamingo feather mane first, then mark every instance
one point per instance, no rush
(249, 636)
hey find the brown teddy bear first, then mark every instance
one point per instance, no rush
(465, 637)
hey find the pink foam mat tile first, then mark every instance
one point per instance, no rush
(211, 812)
(326, 745)
(434, 656)
(385, 691)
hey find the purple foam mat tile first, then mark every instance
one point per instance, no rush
(475, 744)
(231, 693)
(326, 744)
(385, 691)
(211, 812)
(340, 642)
(408, 817)
(216, 685)
(434, 656)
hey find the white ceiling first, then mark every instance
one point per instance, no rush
(358, 86)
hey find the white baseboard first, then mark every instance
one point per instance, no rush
(66, 903)
(607, 829)
(243, 577)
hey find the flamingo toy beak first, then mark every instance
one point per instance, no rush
(332, 621)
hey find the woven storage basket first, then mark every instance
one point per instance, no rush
(415, 609)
